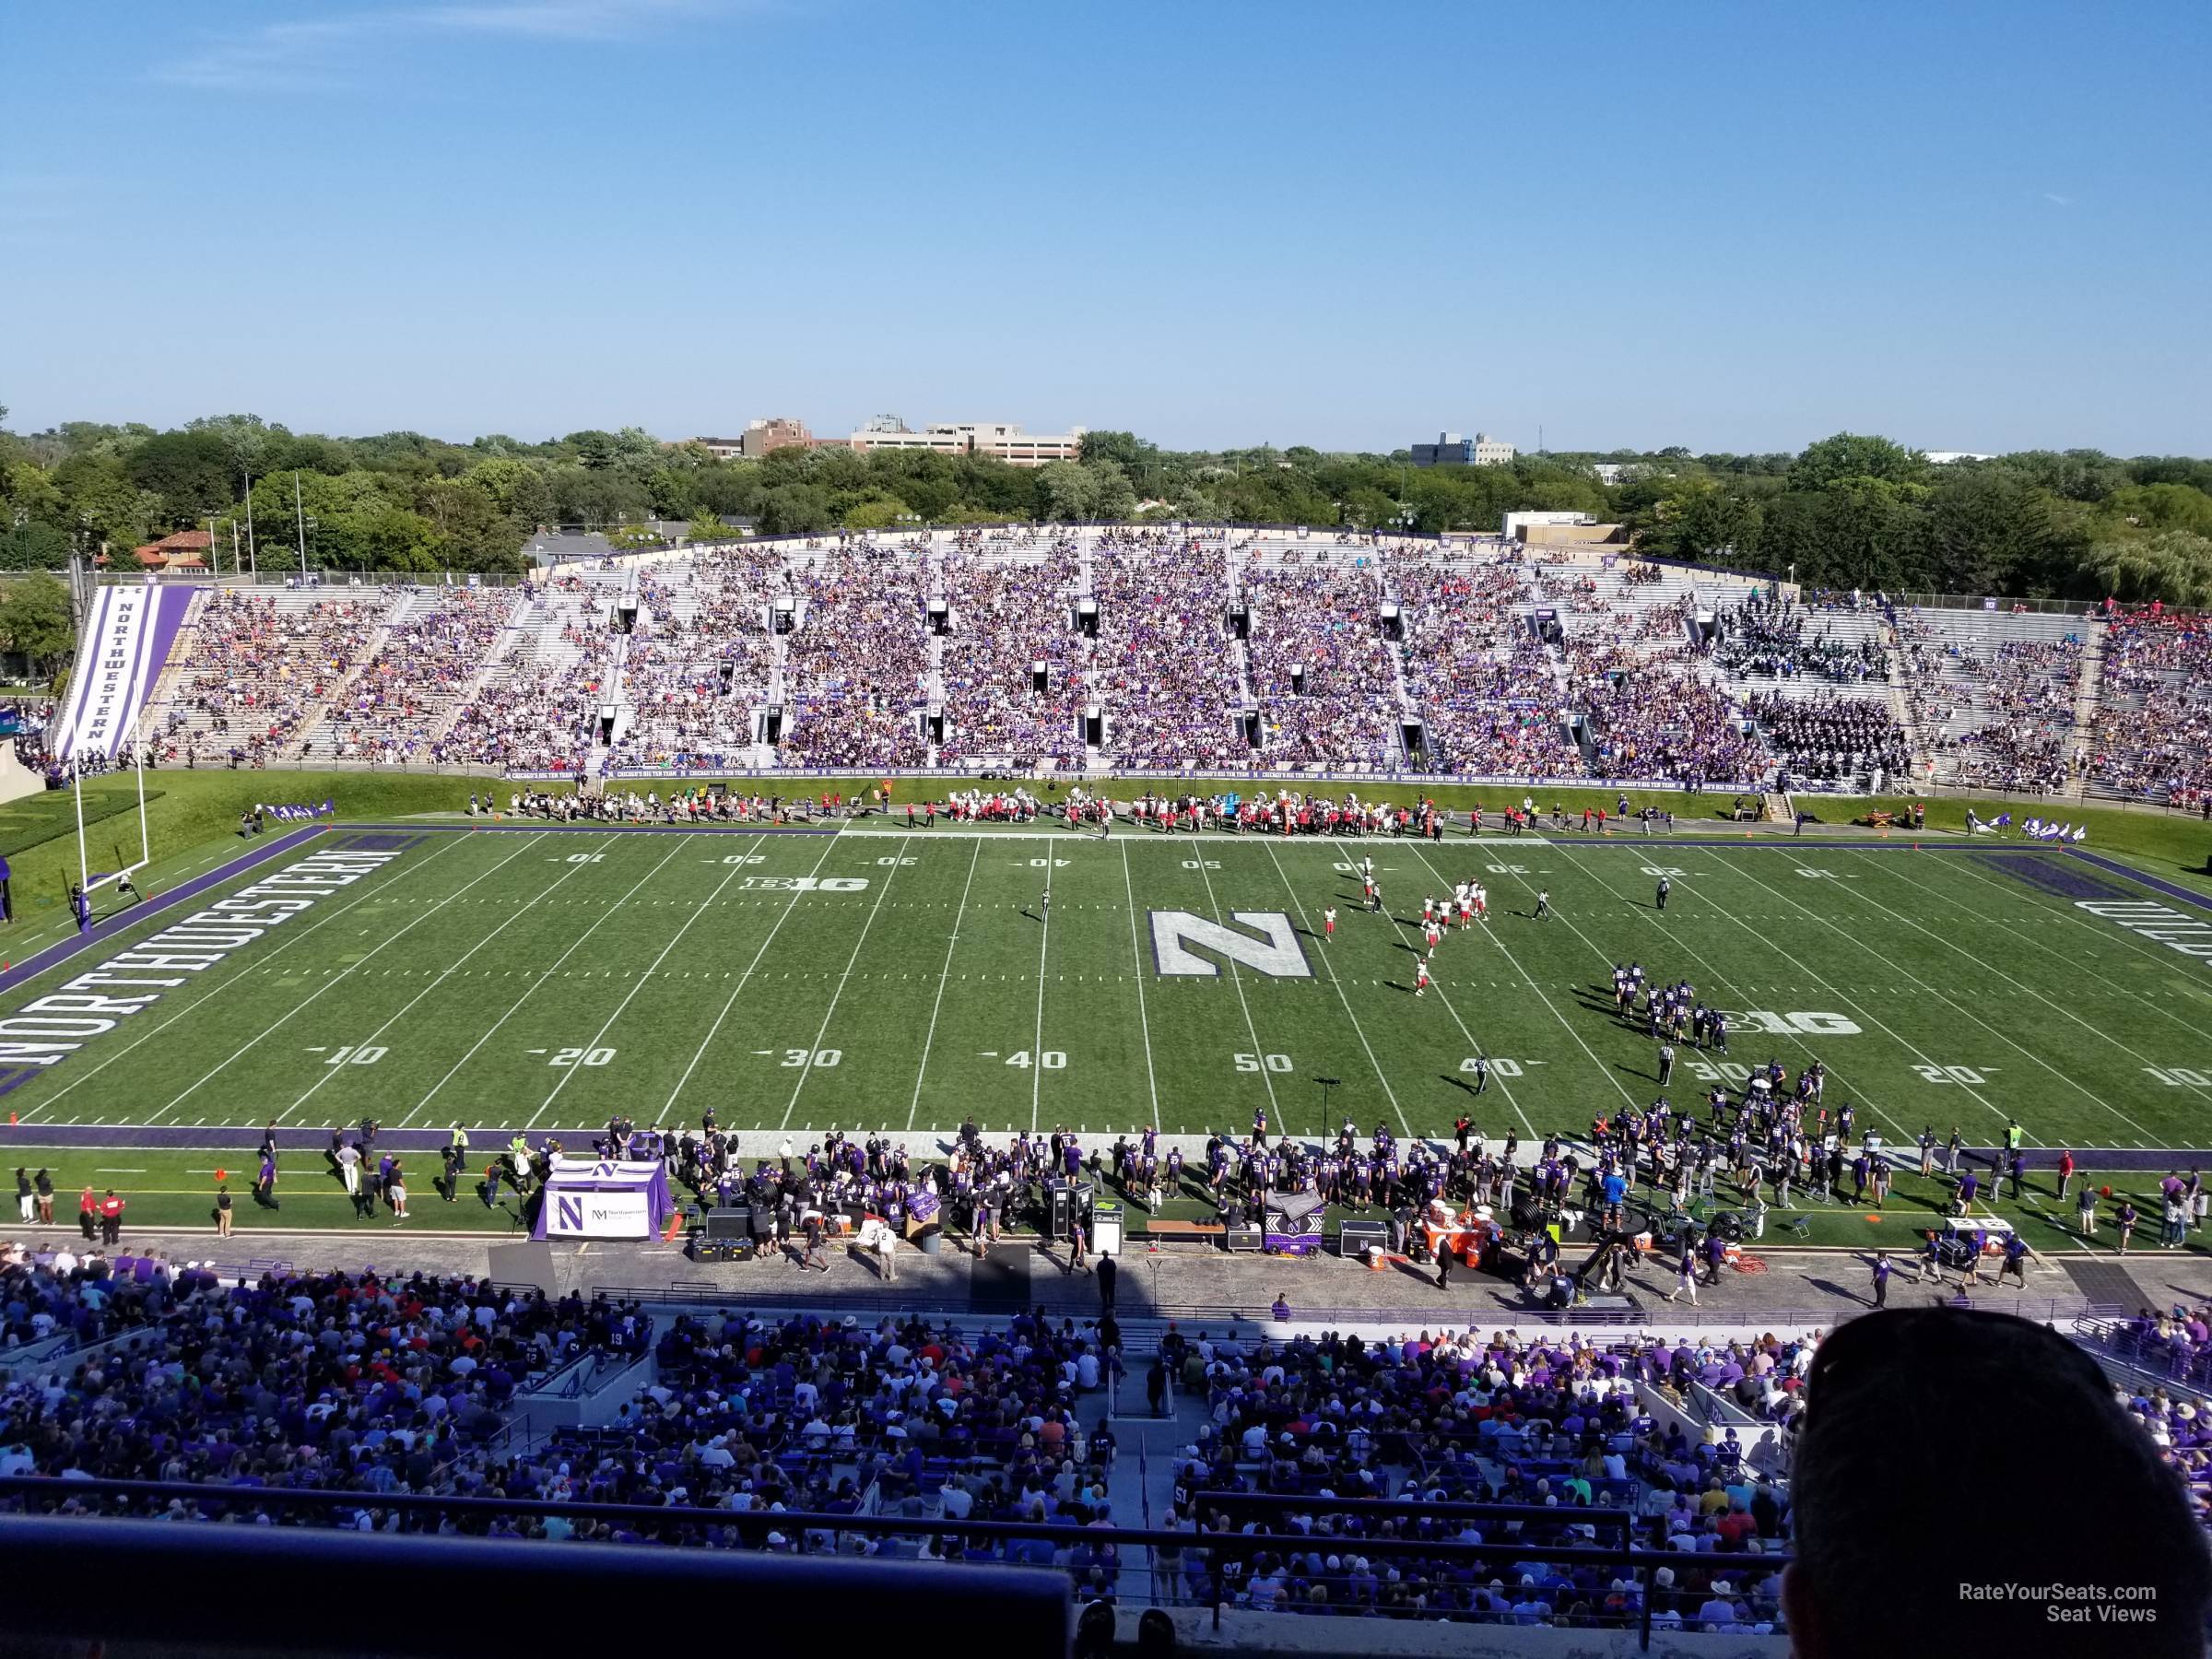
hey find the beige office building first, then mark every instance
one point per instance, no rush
(1002, 439)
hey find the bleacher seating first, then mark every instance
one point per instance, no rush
(1499, 662)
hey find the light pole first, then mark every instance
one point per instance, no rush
(299, 514)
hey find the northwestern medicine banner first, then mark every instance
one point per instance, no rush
(132, 627)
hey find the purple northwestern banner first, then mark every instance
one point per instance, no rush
(127, 640)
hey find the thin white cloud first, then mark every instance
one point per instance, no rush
(2056, 200)
(325, 54)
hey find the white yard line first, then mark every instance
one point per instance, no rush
(513, 916)
(1275, 1115)
(1044, 938)
(338, 979)
(548, 973)
(1321, 1132)
(194, 1004)
(2193, 1027)
(1707, 971)
(2027, 1054)
(668, 1107)
(1529, 980)
(851, 962)
(644, 979)
(945, 975)
(1474, 1042)
(1144, 1021)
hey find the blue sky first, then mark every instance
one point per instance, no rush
(1215, 223)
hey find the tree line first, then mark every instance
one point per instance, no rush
(1847, 511)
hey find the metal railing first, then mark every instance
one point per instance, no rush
(1226, 1556)
(739, 1298)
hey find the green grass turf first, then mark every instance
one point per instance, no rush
(687, 976)
(33, 820)
(190, 807)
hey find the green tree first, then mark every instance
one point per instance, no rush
(2162, 506)
(1847, 455)
(31, 545)
(876, 512)
(35, 621)
(793, 508)
(1126, 448)
(2174, 566)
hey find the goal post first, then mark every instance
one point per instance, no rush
(88, 881)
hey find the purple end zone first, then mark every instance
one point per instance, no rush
(99, 933)
(2198, 900)
(2047, 873)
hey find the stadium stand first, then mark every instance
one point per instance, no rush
(2153, 735)
(1189, 651)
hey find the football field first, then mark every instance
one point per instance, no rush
(527, 977)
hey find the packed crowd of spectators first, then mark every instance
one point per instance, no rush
(333, 1382)
(698, 667)
(1493, 654)
(263, 666)
(1764, 636)
(1165, 670)
(1487, 689)
(2154, 724)
(377, 1387)
(394, 711)
(1998, 715)
(1657, 718)
(535, 712)
(857, 664)
(1005, 619)
(1325, 679)
(1833, 740)
(1458, 1417)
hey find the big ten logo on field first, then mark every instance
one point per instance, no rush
(805, 884)
(1179, 936)
(1802, 1023)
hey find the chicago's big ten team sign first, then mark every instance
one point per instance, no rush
(1179, 936)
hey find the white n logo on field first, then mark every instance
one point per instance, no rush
(1179, 936)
